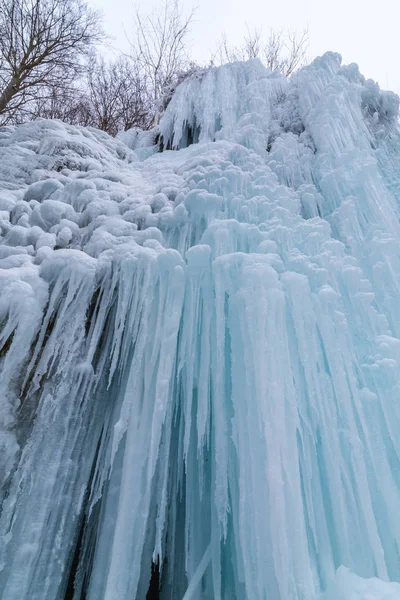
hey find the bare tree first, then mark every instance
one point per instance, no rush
(133, 103)
(69, 103)
(104, 88)
(160, 48)
(284, 53)
(42, 44)
(109, 95)
(117, 95)
(251, 48)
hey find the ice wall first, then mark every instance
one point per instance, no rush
(200, 347)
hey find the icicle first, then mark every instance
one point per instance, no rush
(196, 579)
(200, 348)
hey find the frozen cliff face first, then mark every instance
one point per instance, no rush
(200, 348)
(231, 103)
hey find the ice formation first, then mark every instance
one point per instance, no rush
(200, 347)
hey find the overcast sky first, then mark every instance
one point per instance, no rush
(362, 31)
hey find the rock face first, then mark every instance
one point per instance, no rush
(200, 347)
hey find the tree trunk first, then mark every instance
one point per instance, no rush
(8, 93)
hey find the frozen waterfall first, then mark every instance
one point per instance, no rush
(200, 347)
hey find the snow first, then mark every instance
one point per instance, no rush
(348, 586)
(200, 347)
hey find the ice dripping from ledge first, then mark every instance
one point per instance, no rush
(200, 347)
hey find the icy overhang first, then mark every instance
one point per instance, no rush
(221, 103)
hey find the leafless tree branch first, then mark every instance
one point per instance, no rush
(159, 48)
(42, 44)
(282, 52)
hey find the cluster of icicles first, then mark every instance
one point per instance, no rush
(200, 347)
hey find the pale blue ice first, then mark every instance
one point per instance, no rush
(200, 347)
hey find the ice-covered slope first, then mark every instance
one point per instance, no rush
(200, 347)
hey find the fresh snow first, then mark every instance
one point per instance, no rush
(200, 347)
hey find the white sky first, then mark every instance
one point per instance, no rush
(363, 31)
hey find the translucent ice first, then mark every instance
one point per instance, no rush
(200, 347)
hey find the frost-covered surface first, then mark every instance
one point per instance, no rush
(348, 586)
(200, 348)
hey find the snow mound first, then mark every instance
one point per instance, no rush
(200, 347)
(348, 586)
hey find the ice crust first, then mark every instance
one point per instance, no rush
(200, 347)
